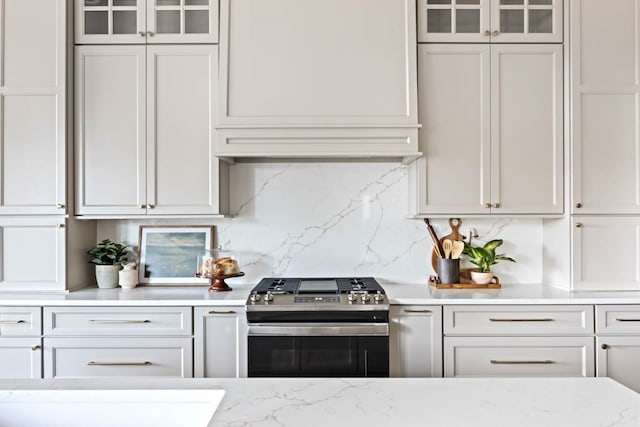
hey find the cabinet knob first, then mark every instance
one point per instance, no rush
(59, 225)
(151, 33)
(578, 225)
(59, 206)
(487, 205)
(487, 33)
(604, 346)
(142, 206)
(495, 33)
(496, 205)
(35, 347)
(151, 206)
(578, 205)
(141, 33)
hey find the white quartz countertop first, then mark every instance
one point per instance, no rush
(518, 402)
(398, 294)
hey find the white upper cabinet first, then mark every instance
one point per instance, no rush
(155, 124)
(313, 79)
(490, 21)
(32, 107)
(605, 121)
(146, 21)
(494, 145)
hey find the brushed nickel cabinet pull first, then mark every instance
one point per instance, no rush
(411, 310)
(604, 346)
(150, 33)
(544, 319)
(496, 205)
(622, 319)
(11, 322)
(495, 33)
(142, 206)
(487, 205)
(222, 312)
(578, 205)
(487, 33)
(141, 33)
(118, 321)
(59, 205)
(151, 206)
(578, 225)
(522, 362)
(59, 225)
(35, 347)
(92, 363)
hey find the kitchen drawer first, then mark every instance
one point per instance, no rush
(20, 321)
(618, 319)
(116, 357)
(519, 357)
(518, 320)
(120, 321)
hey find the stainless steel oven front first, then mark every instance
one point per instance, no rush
(318, 349)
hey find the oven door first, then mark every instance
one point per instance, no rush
(318, 350)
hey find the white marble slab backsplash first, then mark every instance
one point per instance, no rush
(340, 219)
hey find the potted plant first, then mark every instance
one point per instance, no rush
(107, 257)
(484, 257)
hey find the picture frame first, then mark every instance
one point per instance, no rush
(167, 254)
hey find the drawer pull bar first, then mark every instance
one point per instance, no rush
(11, 322)
(522, 320)
(92, 363)
(522, 362)
(119, 321)
(410, 310)
(627, 320)
(222, 312)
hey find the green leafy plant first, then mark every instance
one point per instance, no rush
(107, 253)
(485, 256)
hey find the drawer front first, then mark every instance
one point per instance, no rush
(518, 320)
(21, 358)
(519, 357)
(618, 319)
(120, 321)
(20, 321)
(117, 357)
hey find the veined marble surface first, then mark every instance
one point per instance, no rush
(340, 219)
(522, 402)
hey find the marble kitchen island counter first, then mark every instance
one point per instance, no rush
(479, 402)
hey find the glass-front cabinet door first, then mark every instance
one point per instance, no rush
(146, 21)
(490, 21)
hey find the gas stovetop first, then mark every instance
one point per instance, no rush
(318, 293)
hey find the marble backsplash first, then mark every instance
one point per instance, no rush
(339, 219)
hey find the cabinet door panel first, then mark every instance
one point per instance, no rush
(110, 130)
(526, 129)
(182, 22)
(220, 348)
(595, 265)
(21, 358)
(617, 358)
(415, 341)
(110, 22)
(32, 254)
(182, 173)
(526, 22)
(462, 22)
(453, 175)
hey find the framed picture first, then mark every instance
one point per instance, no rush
(168, 254)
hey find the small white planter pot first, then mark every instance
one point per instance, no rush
(481, 278)
(107, 276)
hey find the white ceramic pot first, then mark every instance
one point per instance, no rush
(481, 278)
(128, 276)
(107, 275)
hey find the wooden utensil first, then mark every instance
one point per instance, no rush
(455, 224)
(447, 245)
(437, 251)
(434, 237)
(458, 248)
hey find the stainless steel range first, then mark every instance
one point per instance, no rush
(318, 327)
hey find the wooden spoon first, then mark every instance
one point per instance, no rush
(447, 246)
(458, 248)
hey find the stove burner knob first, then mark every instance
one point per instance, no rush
(268, 297)
(379, 297)
(254, 297)
(365, 298)
(352, 297)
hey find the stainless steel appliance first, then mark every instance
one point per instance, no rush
(318, 327)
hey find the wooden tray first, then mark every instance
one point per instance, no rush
(465, 278)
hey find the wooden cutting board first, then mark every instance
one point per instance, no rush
(455, 224)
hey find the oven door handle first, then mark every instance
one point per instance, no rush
(318, 329)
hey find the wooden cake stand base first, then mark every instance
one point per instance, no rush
(218, 282)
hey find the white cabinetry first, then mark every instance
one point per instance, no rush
(507, 158)
(490, 341)
(497, 21)
(220, 343)
(146, 21)
(20, 342)
(33, 106)
(594, 265)
(155, 124)
(118, 341)
(302, 78)
(605, 122)
(618, 343)
(415, 341)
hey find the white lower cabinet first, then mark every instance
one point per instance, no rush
(618, 343)
(415, 341)
(220, 342)
(21, 358)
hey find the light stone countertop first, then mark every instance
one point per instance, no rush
(407, 294)
(522, 402)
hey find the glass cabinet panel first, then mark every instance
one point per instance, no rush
(109, 21)
(453, 20)
(182, 21)
(528, 16)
